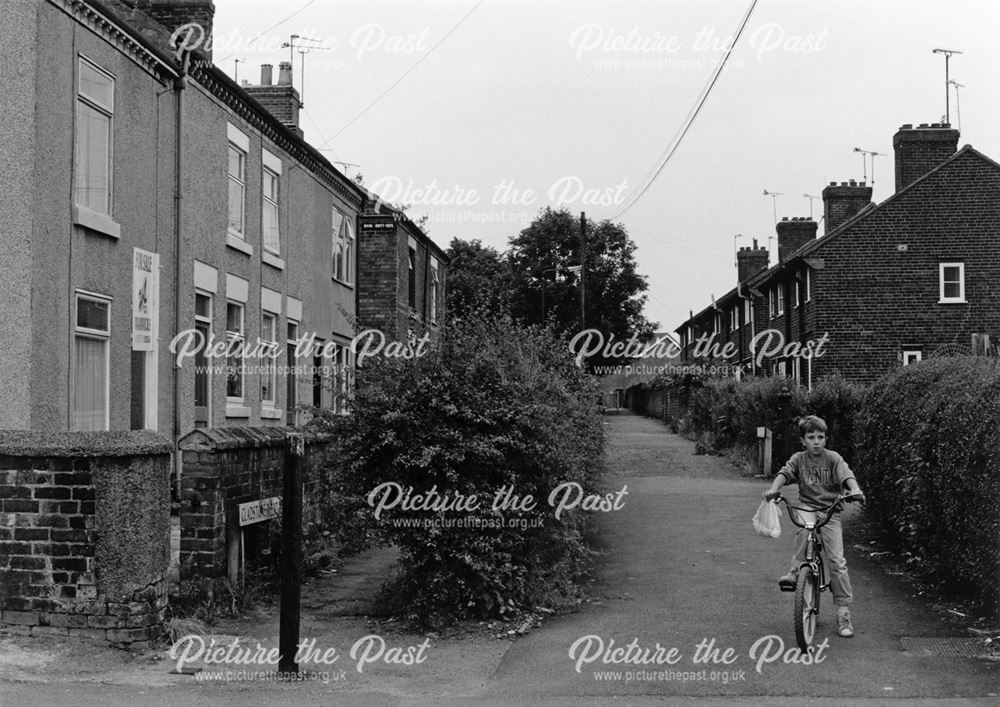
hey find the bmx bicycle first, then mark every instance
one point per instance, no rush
(811, 579)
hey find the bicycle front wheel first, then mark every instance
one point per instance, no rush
(806, 594)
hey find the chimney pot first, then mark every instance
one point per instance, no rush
(173, 14)
(285, 73)
(843, 202)
(265, 74)
(919, 151)
(906, 126)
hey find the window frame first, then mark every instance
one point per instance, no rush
(269, 372)
(291, 377)
(344, 248)
(960, 299)
(911, 356)
(242, 183)
(808, 284)
(240, 336)
(109, 113)
(103, 335)
(268, 202)
(780, 290)
(748, 312)
(411, 275)
(435, 289)
(207, 372)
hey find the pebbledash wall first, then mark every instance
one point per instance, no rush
(62, 259)
(84, 534)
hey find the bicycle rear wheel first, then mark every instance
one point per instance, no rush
(806, 594)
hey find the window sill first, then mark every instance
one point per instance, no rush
(341, 282)
(237, 243)
(97, 222)
(952, 301)
(269, 413)
(271, 259)
(236, 410)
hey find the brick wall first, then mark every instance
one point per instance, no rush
(378, 276)
(84, 534)
(224, 467)
(877, 291)
(383, 266)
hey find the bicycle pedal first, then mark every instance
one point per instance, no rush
(786, 587)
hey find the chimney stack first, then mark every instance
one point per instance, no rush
(843, 202)
(176, 13)
(793, 234)
(751, 260)
(921, 149)
(282, 99)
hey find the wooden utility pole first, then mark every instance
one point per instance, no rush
(291, 554)
(583, 268)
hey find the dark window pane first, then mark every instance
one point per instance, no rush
(91, 314)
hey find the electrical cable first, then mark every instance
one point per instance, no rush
(263, 32)
(692, 115)
(405, 73)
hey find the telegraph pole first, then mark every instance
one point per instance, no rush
(583, 268)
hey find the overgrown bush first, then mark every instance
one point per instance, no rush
(724, 414)
(929, 461)
(495, 405)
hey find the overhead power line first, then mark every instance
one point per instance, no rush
(692, 114)
(406, 73)
(276, 24)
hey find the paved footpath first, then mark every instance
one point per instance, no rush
(682, 566)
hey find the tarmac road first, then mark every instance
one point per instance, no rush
(683, 567)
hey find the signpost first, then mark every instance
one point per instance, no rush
(291, 554)
(258, 511)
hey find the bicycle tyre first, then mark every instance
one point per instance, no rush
(805, 608)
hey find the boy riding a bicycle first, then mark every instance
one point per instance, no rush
(821, 474)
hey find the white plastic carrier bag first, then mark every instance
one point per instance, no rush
(765, 520)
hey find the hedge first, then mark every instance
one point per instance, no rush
(724, 413)
(495, 405)
(929, 462)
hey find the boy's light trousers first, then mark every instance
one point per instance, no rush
(833, 551)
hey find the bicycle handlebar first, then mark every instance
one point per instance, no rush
(829, 510)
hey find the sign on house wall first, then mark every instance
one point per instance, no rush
(145, 299)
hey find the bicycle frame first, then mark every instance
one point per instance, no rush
(807, 607)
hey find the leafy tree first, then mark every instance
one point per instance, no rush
(478, 278)
(546, 281)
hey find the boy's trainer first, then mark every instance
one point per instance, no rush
(844, 626)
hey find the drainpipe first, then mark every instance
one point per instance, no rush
(180, 83)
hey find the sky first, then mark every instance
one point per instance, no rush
(480, 113)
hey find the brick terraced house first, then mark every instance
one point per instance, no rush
(887, 285)
(402, 293)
